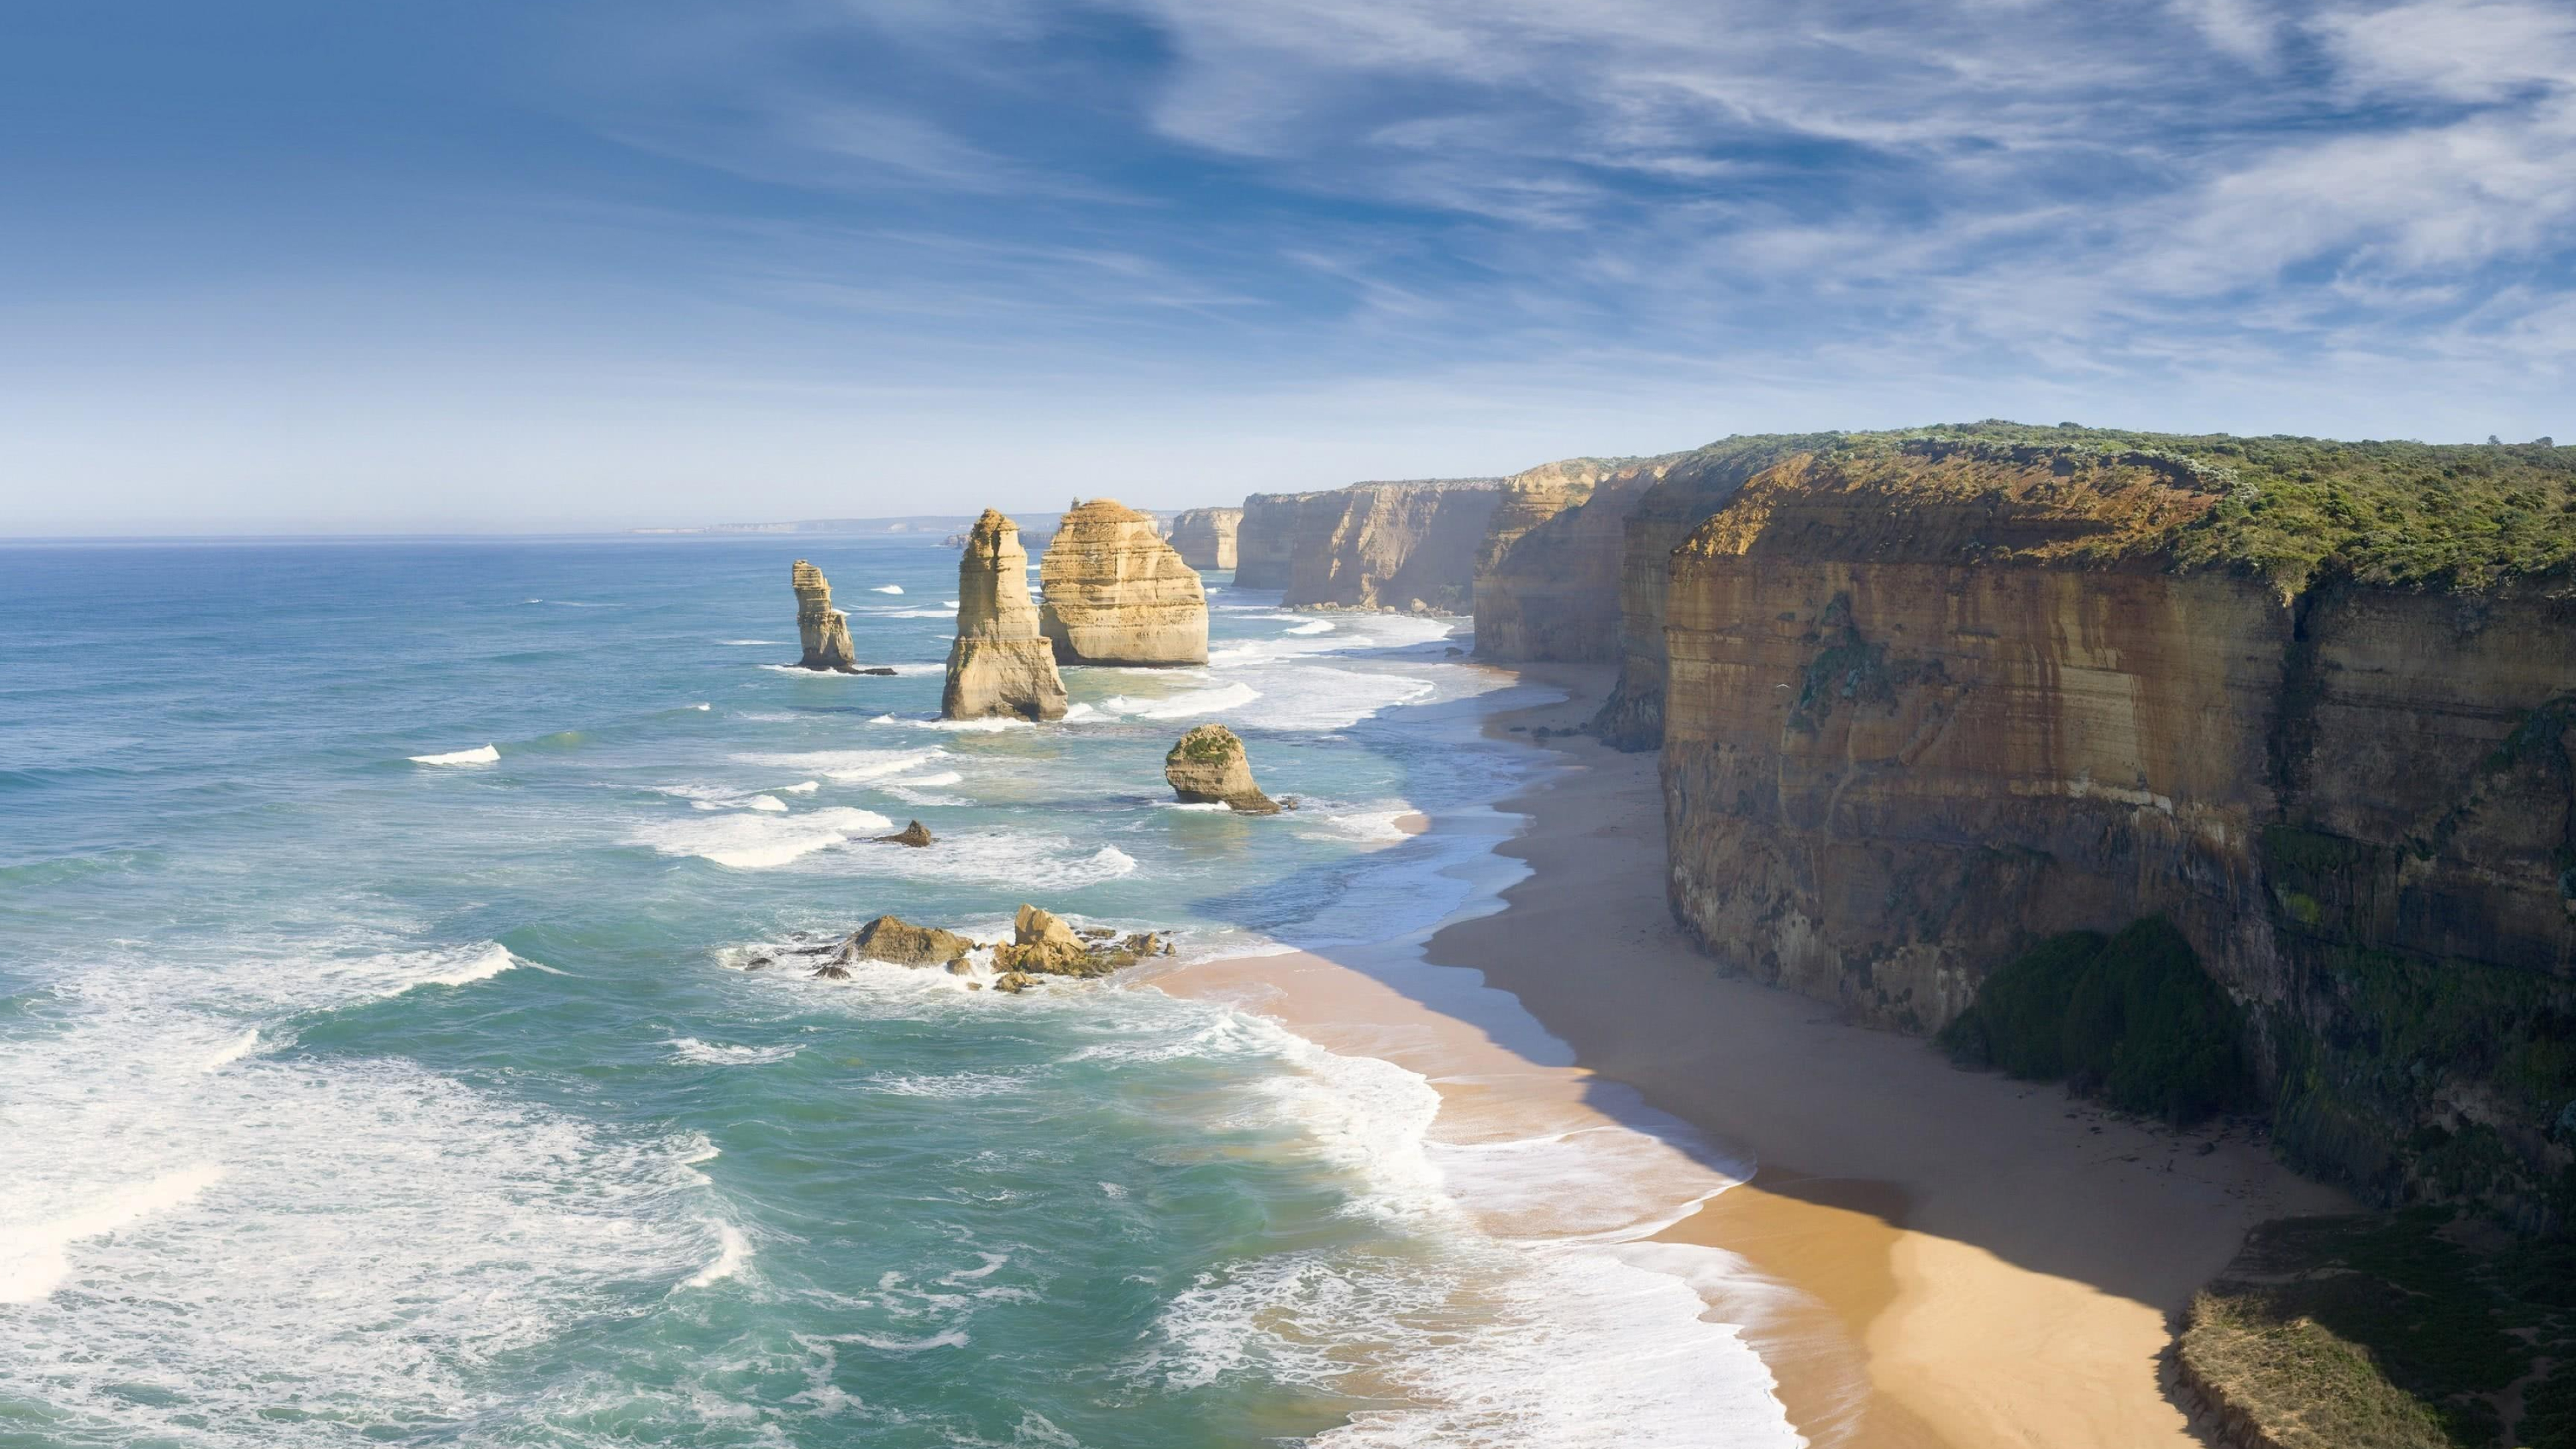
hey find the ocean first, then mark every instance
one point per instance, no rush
(382, 1061)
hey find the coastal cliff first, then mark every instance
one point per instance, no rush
(822, 630)
(1000, 663)
(1547, 578)
(1266, 536)
(1930, 700)
(1116, 593)
(1206, 536)
(1407, 546)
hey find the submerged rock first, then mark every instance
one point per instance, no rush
(915, 834)
(891, 938)
(1208, 766)
(1014, 982)
(823, 630)
(1116, 593)
(1001, 664)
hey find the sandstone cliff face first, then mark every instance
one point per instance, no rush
(1547, 579)
(1116, 593)
(1404, 546)
(823, 630)
(1926, 708)
(1206, 536)
(1265, 542)
(1000, 664)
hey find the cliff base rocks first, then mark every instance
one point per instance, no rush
(822, 630)
(1208, 766)
(1001, 665)
(1117, 594)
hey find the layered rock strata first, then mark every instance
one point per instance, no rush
(1000, 665)
(1208, 766)
(822, 630)
(1547, 578)
(1925, 704)
(1403, 546)
(1117, 593)
(1206, 536)
(1266, 538)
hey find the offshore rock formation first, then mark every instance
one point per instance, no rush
(1208, 766)
(916, 835)
(1206, 536)
(1042, 945)
(1547, 578)
(1931, 700)
(1000, 664)
(1116, 593)
(891, 938)
(823, 630)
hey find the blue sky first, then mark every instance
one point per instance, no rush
(269, 265)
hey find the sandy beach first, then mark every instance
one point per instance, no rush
(1923, 1256)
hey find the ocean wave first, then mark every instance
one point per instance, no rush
(1214, 700)
(887, 589)
(847, 767)
(1030, 863)
(747, 841)
(710, 1054)
(732, 1251)
(482, 755)
(754, 643)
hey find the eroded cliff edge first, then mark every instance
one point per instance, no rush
(1928, 700)
(1409, 546)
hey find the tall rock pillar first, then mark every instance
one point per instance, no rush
(822, 629)
(1001, 664)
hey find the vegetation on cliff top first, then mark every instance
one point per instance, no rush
(2412, 1330)
(2400, 514)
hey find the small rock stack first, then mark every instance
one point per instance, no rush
(823, 630)
(1208, 766)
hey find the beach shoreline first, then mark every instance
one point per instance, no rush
(1925, 1258)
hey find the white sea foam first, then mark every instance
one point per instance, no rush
(948, 603)
(887, 589)
(749, 841)
(1213, 700)
(233, 1051)
(912, 613)
(1311, 626)
(770, 804)
(1368, 827)
(711, 1054)
(804, 787)
(732, 1251)
(848, 767)
(751, 643)
(184, 1250)
(1026, 862)
(483, 755)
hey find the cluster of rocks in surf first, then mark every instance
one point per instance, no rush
(1041, 945)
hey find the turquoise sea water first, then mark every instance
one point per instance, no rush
(349, 1093)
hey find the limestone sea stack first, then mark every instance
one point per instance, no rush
(1116, 593)
(1208, 766)
(1205, 536)
(1000, 664)
(822, 629)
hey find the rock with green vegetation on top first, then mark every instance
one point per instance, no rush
(1208, 767)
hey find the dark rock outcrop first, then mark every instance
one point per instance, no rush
(1001, 664)
(823, 631)
(1208, 766)
(916, 835)
(891, 938)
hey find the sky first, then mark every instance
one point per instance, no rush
(313, 265)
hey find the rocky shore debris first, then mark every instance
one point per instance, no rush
(1208, 767)
(1043, 945)
(823, 630)
(894, 939)
(1001, 664)
(916, 835)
